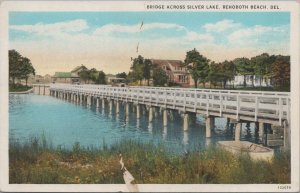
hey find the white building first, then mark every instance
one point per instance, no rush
(251, 80)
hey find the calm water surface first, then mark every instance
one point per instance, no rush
(65, 123)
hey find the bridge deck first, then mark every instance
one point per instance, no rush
(268, 107)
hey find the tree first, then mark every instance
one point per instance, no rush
(261, 65)
(137, 69)
(19, 67)
(197, 66)
(160, 77)
(281, 72)
(84, 74)
(122, 75)
(26, 69)
(147, 70)
(101, 78)
(93, 74)
(244, 67)
(227, 72)
(15, 60)
(214, 73)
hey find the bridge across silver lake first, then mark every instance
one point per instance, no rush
(238, 106)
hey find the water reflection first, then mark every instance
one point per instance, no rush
(165, 132)
(185, 139)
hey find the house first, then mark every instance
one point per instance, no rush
(68, 77)
(175, 71)
(251, 80)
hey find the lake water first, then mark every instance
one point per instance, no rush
(65, 123)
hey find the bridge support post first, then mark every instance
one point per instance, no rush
(287, 135)
(210, 124)
(165, 117)
(44, 90)
(261, 131)
(127, 111)
(91, 100)
(150, 114)
(87, 99)
(117, 107)
(81, 98)
(110, 106)
(238, 128)
(103, 103)
(138, 112)
(185, 121)
(97, 102)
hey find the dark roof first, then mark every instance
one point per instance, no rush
(77, 68)
(174, 63)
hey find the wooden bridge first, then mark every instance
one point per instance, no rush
(238, 106)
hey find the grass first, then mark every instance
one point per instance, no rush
(18, 88)
(37, 162)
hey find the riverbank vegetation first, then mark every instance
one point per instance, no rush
(18, 88)
(38, 162)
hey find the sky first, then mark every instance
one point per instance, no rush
(60, 41)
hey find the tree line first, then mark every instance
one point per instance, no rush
(98, 77)
(20, 67)
(202, 70)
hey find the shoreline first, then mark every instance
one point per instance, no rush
(23, 92)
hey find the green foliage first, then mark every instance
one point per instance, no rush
(84, 75)
(101, 78)
(160, 77)
(281, 73)
(18, 88)
(122, 75)
(19, 67)
(197, 65)
(35, 163)
(140, 69)
(244, 67)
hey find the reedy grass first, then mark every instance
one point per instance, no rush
(37, 162)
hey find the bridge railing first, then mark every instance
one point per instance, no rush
(254, 104)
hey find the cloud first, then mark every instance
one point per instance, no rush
(117, 28)
(221, 26)
(52, 29)
(259, 34)
(64, 45)
(194, 36)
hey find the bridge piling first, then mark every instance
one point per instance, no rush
(97, 103)
(209, 125)
(261, 131)
(127, 109)
(185, 121)
(287, 136)
(117, 107)
(238, 128)
(150, 114)
(165, 117)
(137, 111)
(110, 106)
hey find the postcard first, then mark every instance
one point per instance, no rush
(149, 96)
